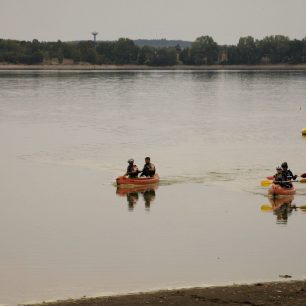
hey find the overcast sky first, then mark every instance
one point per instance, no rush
(224, 20)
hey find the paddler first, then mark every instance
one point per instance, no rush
(287, 172)
(132, 170)
(148, 168)
(279, 177)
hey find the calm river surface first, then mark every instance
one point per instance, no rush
(65, 230)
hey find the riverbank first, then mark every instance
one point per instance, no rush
(144, 67)
(260, 294)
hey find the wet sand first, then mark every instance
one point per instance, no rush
(259, 294)
(86, 66)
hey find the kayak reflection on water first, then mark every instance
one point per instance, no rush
(282, 208)
(133, 194)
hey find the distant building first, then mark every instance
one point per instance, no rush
(222, 55)
(265, 60)
(178, 52)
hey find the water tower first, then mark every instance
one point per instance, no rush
(94, 33)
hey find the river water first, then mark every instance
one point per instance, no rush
(66, 231)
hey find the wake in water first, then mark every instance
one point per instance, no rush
(208, 178)
(240, 179)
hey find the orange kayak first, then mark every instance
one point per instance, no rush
(276, 190)
(140, 181)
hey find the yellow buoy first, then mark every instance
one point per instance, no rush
(304, 131)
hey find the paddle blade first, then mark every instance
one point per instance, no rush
(302, 207)
(303, 181)
(266, 208)
(266, 183)
(303, 175)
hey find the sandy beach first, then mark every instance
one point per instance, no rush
(85, 66)
(259, 294)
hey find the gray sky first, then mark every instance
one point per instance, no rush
(224, 20)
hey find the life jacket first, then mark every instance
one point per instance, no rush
(278, 177)
(288, 174)
(282, 180)
(132, 170)
(147, 171)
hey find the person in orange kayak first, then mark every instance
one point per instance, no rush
(132, 170)
(279, 177)
(148, 168)
(287, 172)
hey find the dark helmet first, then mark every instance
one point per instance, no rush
(131, 161)
(284, 165)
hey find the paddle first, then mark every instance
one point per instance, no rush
(271, 176)
(267, 207)
(266, 183)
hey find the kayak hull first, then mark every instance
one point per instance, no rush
(277, 190)
(141, 181)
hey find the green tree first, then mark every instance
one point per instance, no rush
(247, 50)
(76, 56)
(105, 50)
(11, 57)
(164, 57)
(145, 55)
(68, 50)
(275, 47)
(90, 56)
(59, 51)
(125, 51)
(204, 50)
(185, 57)
(88, 52)
(60, 56)
(36, 57)
(35, 45)
(233, 55)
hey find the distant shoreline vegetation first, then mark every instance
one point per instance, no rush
(276, 49)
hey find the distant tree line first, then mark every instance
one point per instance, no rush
(160, 43)
(203, 51)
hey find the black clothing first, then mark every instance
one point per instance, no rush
(289, 175)
(132, 171)
(280, 178)
(147, 170)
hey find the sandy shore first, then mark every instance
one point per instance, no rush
(261, 294)
(143, 67)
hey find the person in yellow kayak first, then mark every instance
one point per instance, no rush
(132, 169)
(148, 168)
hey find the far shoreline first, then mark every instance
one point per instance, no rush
(89, 67)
